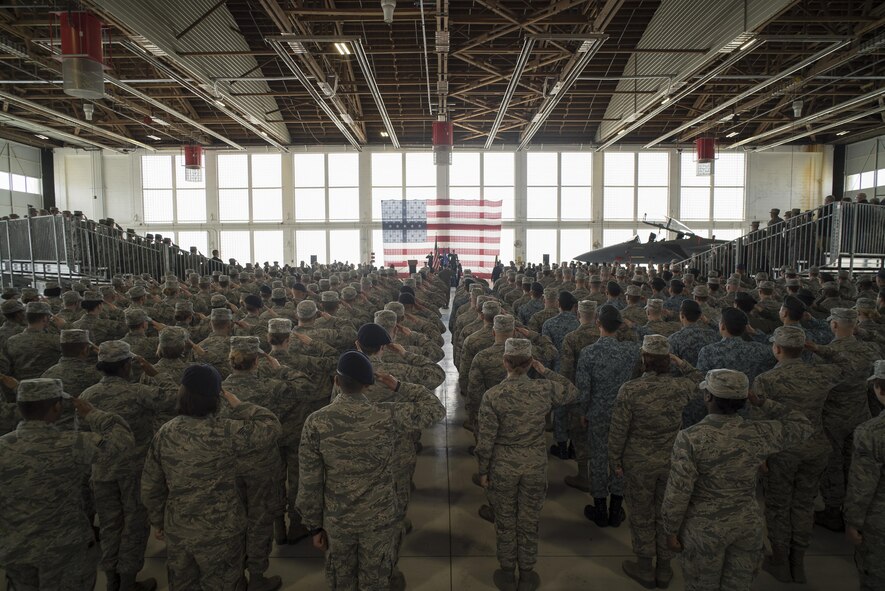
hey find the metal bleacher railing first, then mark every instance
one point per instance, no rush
(836, 235)
(69, 248)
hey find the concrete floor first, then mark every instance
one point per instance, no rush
(451, 547)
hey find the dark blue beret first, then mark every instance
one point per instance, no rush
(356, 366)
(372, 335)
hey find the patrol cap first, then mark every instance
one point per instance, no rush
(11, 307)
(173, 335)
(655, 304)
(526, 280)
(186, 306)
(329, 296)
(844, 314)
(356, 366)
(713, 280)
(69, 297)
(637, 278)
(30, 292)
(789, 270)
(829, 285)
(92, 296)
(476, 290)
(204, 280)
(766, 285)
(278, 293)
(406, 299)
(396, 307)
(844, 274)
(224, 279)
(865, 304)
(700, 291)
(201, 378)
(38, 308)
(595, 279)
(788, 336)
(279, 326)
(621, 272)
(634, 291)
(733, 280)
(878, 371)
(135, 316)
(306, 309)
(792, 282)
(220, 314)
(245, 344)
(518, 347)
(40, 389)
(349, 294)
(113, 351)
(550, 293)
(170, 284)
(655, 344)
(10, 292)
(74, 335)
(218, 301)
(386, 319)
(726, 383)
(324, 284)
(491, 307)
(609, 313)
(587, 307)
(372, 335)
(504, 323)
(135, 292)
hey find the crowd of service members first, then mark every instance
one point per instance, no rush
(232, 412)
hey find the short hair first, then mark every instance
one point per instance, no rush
(90, 305)
(609, 323)
(369, 350)
(676, 288)
(217, 322)
(735, 321)
(36, 410)
(73, 349)
(613, 289)
(793, 313)
(112, 367)
(348, 385)
(171, 351)
(242, 361)
(792, 352)
(14, 315)
(330, 306)
(35, 317)
(278, 338)
(728, 406)
(183, 315)
(659, 364)
(691, 312)
(196, 404)
(518, 361)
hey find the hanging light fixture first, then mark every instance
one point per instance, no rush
(387, 7)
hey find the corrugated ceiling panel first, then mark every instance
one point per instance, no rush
(684, 24)
(215, 33)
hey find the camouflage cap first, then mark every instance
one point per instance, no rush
(520, 347)
(637, 278)
(789, 270)
(30, 292)
(878, 371)
(766, 285)
(38, 308)
(313, 287)
(655, 344)
(136, 292)
(491, 307)
(634, 291)
(792, 282)
(173, 335)
(186, 306)
(135, 316)
(278, 293)
(396, 307)
(306, 309)
(655, 304)
(504, 323)
(171, 284)
(788, 336)
(113, 351)
(526, 280)
(551, 293)
(279, 326)
(587, 307)
(476, 290)
(78, 286)
(386, 319)
(726, 383)
(11, 307)
(329, 296)
(218, 301)
(92, 296)
(324, 284)
(700, 291)
(410, 282)
(224, 279)
(221, 314)
(621, 272)
(844, 274)
(595, 279)
(245, 345)
(204, 280)
(814, 270)
(9, 292)
(843, 314)
(865, 304)
(74, 335)
(348, 294)
(713, 281)
(829, 285)
(40, 389)
(733, 280)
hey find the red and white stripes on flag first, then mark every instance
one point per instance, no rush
(470, 228)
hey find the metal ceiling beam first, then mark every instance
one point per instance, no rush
(32, 126)
(871, 96)
(752, 90)
(869, 113)
(369, 75)
(521, 62)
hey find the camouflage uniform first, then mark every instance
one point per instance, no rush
(486, 370)
(143, 346)
(709, 500)
(28, 354)
(556, 329)
(511, 451)
(688, 342)
(10, 328)
(602, 369)
(539, 318)
(661, 327)
(190, 491)
(476, 342)
(347, 481)
(47, 540)
(116, 483)
(529, 309)
(100, 329)
(646, 416)
(865, 501)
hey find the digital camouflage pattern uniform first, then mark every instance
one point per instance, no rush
(710, 497)
(347, 481)
(687, 343)
(511, 451)
(28, 354)
(48, 542)
(556, 329)
(190, 491)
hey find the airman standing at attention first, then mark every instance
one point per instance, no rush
(512, 458)
(710, 511)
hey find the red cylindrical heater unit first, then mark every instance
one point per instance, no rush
(706, 155)
(443, 140)
(82, 55)
(193, 163)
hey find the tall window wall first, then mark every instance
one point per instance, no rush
(291, 207)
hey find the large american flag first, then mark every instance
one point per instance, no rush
(471, 228)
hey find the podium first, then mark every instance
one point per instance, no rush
(413, 266)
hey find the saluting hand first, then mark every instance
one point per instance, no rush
(82, 407)
(321, 541)
(854, 536)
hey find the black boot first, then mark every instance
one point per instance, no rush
(571, 451)
(616, 513)
(597, 512)
(560, 450)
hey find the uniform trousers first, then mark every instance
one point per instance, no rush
(517, 495)
(123, 523)
(361, 561)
